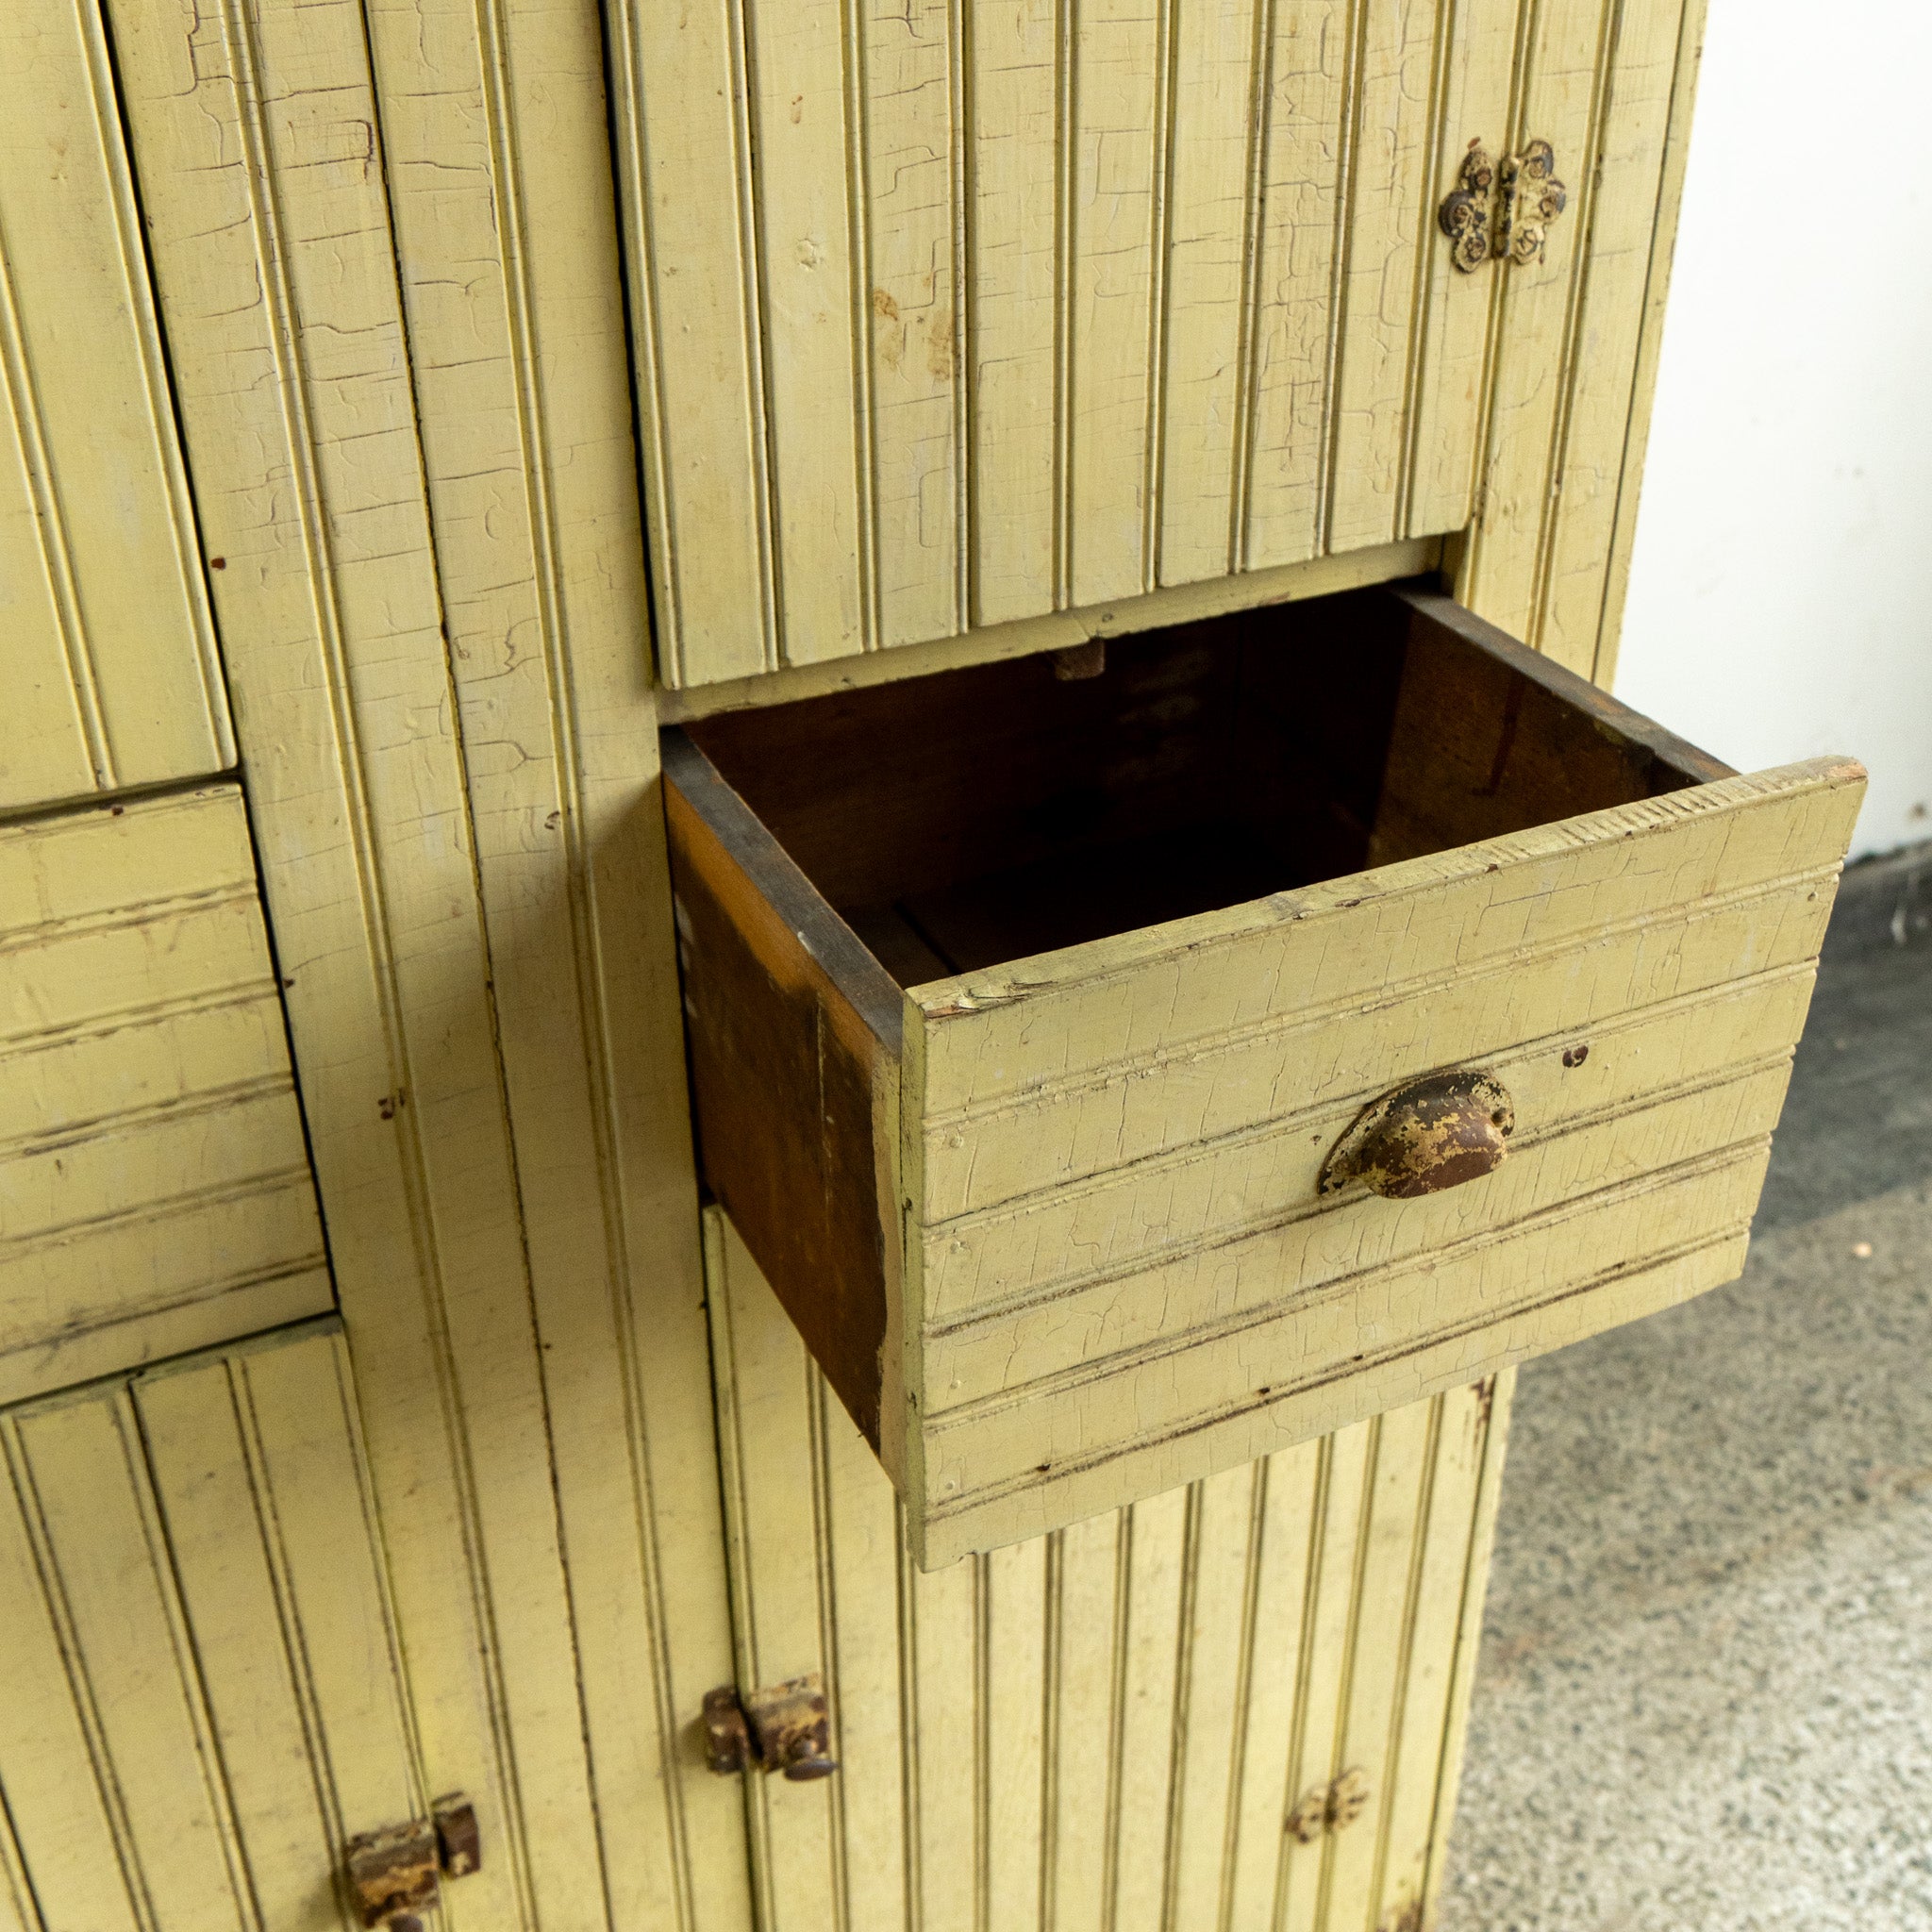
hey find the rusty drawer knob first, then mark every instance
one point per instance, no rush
(1433, 1133)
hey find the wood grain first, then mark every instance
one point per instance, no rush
(791, 1026)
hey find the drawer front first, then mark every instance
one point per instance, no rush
(154, 1187)
(1124, 1273)
(1074, 1227)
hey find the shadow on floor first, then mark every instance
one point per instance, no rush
(1705, 1698)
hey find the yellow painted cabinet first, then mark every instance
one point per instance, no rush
(950, 320)
(200, 1694)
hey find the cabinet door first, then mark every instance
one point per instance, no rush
(200, 1691)
(155, 1189)
(106, 652)
(953, 313)
(1131, 1723)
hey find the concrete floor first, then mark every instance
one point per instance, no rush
(1705, 1690)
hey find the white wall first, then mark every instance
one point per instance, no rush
(1781, 584)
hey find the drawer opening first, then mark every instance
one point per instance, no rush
(960, 821)
(1053, 1229)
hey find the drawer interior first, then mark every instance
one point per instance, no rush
(977, 816)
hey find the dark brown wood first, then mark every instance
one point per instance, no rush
(1489, 738)
(1255, 739)
(917, 786)
(1677, 761)
(794, 1032)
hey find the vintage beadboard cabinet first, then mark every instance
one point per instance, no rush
(415, 408)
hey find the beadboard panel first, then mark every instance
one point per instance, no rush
(154, 1189)
(961, 314)
(1611, 82)
(384, 248)
(1107, 1726)
(106, 652)
(202, 1692)
(495, 127)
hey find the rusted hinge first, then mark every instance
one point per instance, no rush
(1330, 1806)
(395, 1875)
(1531, 199)
(786, 1728)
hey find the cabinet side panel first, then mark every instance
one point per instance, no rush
(1574, 348)
(1650, 141)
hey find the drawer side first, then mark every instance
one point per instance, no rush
(792, 1034)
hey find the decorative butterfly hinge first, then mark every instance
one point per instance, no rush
(1531, 199)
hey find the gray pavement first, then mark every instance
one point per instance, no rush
(1705, 1696)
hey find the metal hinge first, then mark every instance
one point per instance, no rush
(395, 1875)
(1531, 199)
(786, 1728)
(1330, 1808)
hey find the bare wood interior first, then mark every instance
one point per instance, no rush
(979, 816)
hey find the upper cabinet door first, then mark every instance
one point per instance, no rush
(961, 311)
(106, 652)
(154, 1186)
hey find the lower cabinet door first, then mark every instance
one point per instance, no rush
(1236, 1706)
(200, 1692)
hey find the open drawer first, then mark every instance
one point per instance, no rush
(1113, 1077)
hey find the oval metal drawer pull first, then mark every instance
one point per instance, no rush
(1433, 1133)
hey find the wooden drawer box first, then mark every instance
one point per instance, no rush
(1037, 1028)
